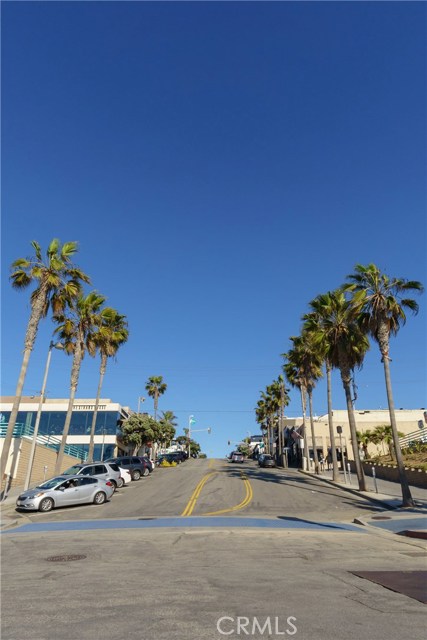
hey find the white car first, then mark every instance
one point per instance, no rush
(125, 476)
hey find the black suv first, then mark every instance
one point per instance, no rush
(133, 464)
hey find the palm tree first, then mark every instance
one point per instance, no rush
(155, 388)
(167, 427)
(310, 358)
(277, 399)
(57, 279)
(294, 375)
(364, 438)
(111, 334)
(320, 311)
(76, 332)
(345, 347)
(261, 416)
(381, 306)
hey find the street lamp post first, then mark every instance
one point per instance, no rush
(190, 422)
(52, 345)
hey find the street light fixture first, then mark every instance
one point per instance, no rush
(52, 345)
(140, 400)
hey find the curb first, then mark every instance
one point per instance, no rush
(355, 492)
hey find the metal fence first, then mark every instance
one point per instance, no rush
(414, 436)
(53, 442)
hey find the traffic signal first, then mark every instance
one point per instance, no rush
(229, 442)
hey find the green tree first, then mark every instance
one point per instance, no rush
(110, 335)
(167, 428)
(321, 311)
(76, 332)
(57, 279)
(364, 438)
(346, 345)
(155, 388)
(294, 375)
(310, 359)
(381, 302)
(139, 430)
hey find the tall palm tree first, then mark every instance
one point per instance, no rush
(261, 416)
(346, 345)
(320, 311)
(310, 358)
(278, 399)
(112, 333)
(76, 332)
(294, 375)
(57, 279)
(381, 305)
(155, 388)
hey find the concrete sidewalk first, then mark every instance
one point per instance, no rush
(411, 522)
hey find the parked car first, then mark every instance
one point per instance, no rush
(266, 461)
(64, 491)
(135, 465)
(178, 456)
(125, 474)
(166, 456)
(236, 456)
(149, 462)
(102, 470)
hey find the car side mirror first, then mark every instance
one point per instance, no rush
(61, 488)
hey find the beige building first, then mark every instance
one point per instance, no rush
(408, 421)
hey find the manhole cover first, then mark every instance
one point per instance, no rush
(381, 518)
(68, 558)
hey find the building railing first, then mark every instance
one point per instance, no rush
(414, 436)
(52, 442)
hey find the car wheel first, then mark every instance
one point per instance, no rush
(120, 483)
(99, 498)
(146, 472)
(136, 475)
(46, 505)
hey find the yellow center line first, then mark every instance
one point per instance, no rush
(192, 502)
(247, 499)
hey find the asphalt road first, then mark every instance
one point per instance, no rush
(151, 582)
(217, 487)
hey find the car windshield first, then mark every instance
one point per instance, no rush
(72, 471)
(50, 484)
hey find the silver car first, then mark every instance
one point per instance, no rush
(102, 470)
(64, 491)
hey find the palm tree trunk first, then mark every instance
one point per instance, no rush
(156, 401)
(13, 416)
(37, 308)
(407, 500)
(313, 435)
(75, 371)
(352, 423)
(304, 428)
(335, 473)
(95, 412)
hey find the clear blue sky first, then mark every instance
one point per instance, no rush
(220, 164)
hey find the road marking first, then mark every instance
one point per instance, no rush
(196, 493)
(247, 499)
(192, 502)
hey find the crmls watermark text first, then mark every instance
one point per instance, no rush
(272, 626)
